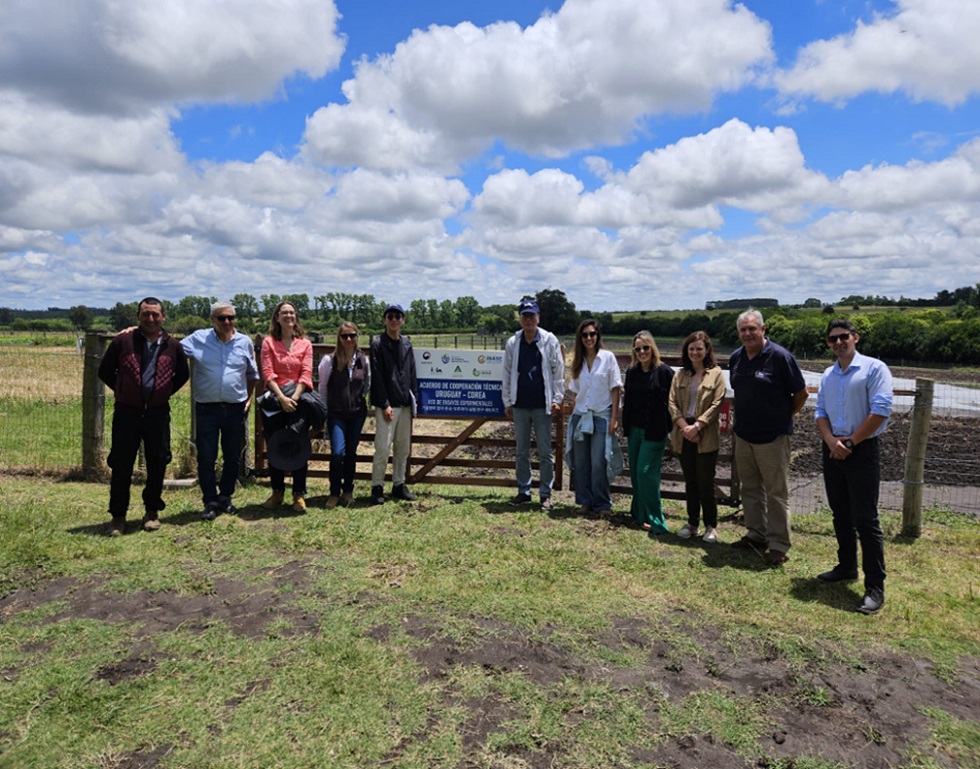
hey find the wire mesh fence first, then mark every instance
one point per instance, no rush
(41, 432)
(951, 477)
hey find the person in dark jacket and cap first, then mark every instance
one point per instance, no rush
(394, 393)
(143, 367)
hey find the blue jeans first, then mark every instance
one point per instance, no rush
(224, 422)
(540, 421)
(589, 457)
(345, 434)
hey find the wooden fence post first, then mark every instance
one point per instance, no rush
(93, 408)
(915, 458)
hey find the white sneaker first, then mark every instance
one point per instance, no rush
(710, 535)
(687, 531)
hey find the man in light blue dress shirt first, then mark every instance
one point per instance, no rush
(853, 407)
(223, 379)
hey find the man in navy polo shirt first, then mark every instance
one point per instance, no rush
(769, 389)
(853, 407)
(533, 389)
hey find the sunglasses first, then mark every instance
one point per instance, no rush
(644, 348)
(839, 338)
(394, 316)
(589, 334)
(225, 318)
(348, 337)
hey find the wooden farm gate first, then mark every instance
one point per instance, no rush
(490, 459)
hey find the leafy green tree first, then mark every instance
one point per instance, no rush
(419, 310)
(188, 325)
(467, 311)
(491, 323)
(447, 314)
(80, 317)
(269, 302)
(246, 305)
(506, 318)
(432, 312)
(195, 305)
(558, 314)
(300, 301)
(122, 315)
(6, 316)
(365, 309)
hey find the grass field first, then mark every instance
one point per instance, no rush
(41, 409)
(460, 632)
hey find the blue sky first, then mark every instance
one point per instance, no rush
(637, 155)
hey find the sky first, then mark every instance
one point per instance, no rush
(635, 154)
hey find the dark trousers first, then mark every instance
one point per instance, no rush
(129, 429)
(852, 492)
(699, 484)
(222, 423)
(277, 480)
(277, 477)
(345, 434)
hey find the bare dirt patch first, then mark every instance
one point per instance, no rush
(863, 710)
(247, 608)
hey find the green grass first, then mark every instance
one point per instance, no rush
(37, 338)
(453, 631)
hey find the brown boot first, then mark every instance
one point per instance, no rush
(299, 504)
(274, 500)
(116, 527)
(151, 521)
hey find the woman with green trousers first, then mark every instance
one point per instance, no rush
(646, 423)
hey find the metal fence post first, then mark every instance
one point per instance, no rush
(915, 458)
(93, 408)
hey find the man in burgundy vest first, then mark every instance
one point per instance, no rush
(143, 367)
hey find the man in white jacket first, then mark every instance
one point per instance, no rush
(533, 389)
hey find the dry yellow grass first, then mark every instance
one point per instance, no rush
(51, 373)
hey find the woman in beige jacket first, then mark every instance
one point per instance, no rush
(696, 395)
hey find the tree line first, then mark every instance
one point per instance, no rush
(951, 335)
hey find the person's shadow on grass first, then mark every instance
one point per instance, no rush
(838, 595)
(718, 555)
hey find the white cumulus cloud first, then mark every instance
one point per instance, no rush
(926, 48)
(585, 74)
(117, 56)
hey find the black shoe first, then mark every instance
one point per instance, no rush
(746, 543)
(521, 499)
(377, 495)
(838, 574)
(224, 505)
(210, 512)
(401, 492)
(872, 602)
(546, 504)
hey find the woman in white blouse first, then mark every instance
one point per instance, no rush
(596, 383)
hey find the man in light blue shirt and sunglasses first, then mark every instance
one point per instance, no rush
(853, 407)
